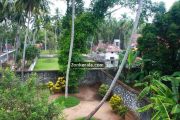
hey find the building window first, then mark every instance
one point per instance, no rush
(112, 60)
(117, 43)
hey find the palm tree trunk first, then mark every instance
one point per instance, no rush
(122, 63)
(45, 46)
(70, 49)
(17, 44)
(56, 39)
(1, 45)
(7, 51)
(24, 49)
(34, 37)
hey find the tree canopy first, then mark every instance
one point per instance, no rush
(160, 41)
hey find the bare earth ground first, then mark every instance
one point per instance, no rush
(88, 101)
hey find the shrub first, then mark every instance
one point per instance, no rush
(117, 105)
(103, 89)
(23, 100)
(58, 86)
(31, 52)
(122, 110)
(115, 101)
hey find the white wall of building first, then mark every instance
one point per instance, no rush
(108, 55)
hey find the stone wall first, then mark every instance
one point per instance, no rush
(128, 94)
(94, 76)
(42, 76)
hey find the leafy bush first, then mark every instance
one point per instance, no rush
(23, 101)
(117, 105)
(115, 101)
(58, 86)
(32, 52)
(122, 110)
(103, 89)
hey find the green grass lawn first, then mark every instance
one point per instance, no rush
(47, 64)
(67, 102)
(46, 52)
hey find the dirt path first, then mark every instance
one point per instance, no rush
(89, 100)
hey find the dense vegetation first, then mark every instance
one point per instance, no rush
(159, 44)
(24, 100)
(29, 27)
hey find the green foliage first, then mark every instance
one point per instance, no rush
(84, 27)
(58, 86)
(164, 101)
(175, 82)
(103, 89)
(116, 103)
(23, 101)
(154, 75)
(32, 52)
(67, 102)
(122, 110)
(160, 42)
(131, 58)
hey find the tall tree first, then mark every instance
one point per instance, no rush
(160, 43)
(46, 25)
(122, 63)
(30, 6)
(70, 49)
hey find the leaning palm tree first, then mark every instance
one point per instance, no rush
(30, 6)
(122, 63)
(70, 49)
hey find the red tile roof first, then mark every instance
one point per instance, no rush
(106, 47)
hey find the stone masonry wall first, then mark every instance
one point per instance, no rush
(91, 77)
(128, 94)
(42, 76)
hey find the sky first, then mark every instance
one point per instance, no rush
(61, 4)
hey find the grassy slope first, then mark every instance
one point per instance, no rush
(69, 102)
(47, 64)
(43, 52)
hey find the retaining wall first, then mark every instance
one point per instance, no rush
(91, 77)
(128, 94)
(42, 76)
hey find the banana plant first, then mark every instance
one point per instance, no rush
(131, 58)
(163, 100)
(130, 62)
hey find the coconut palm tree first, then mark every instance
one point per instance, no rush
(57, 21)
(46, 25)
(6, 15)
(122, 63)
(36, 27)
(18, 18)
(70, 49)
(30, 7)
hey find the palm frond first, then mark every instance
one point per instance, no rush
(176, 109)
(164, 112)
(145, 108)
(144, 92)
(156, 116)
